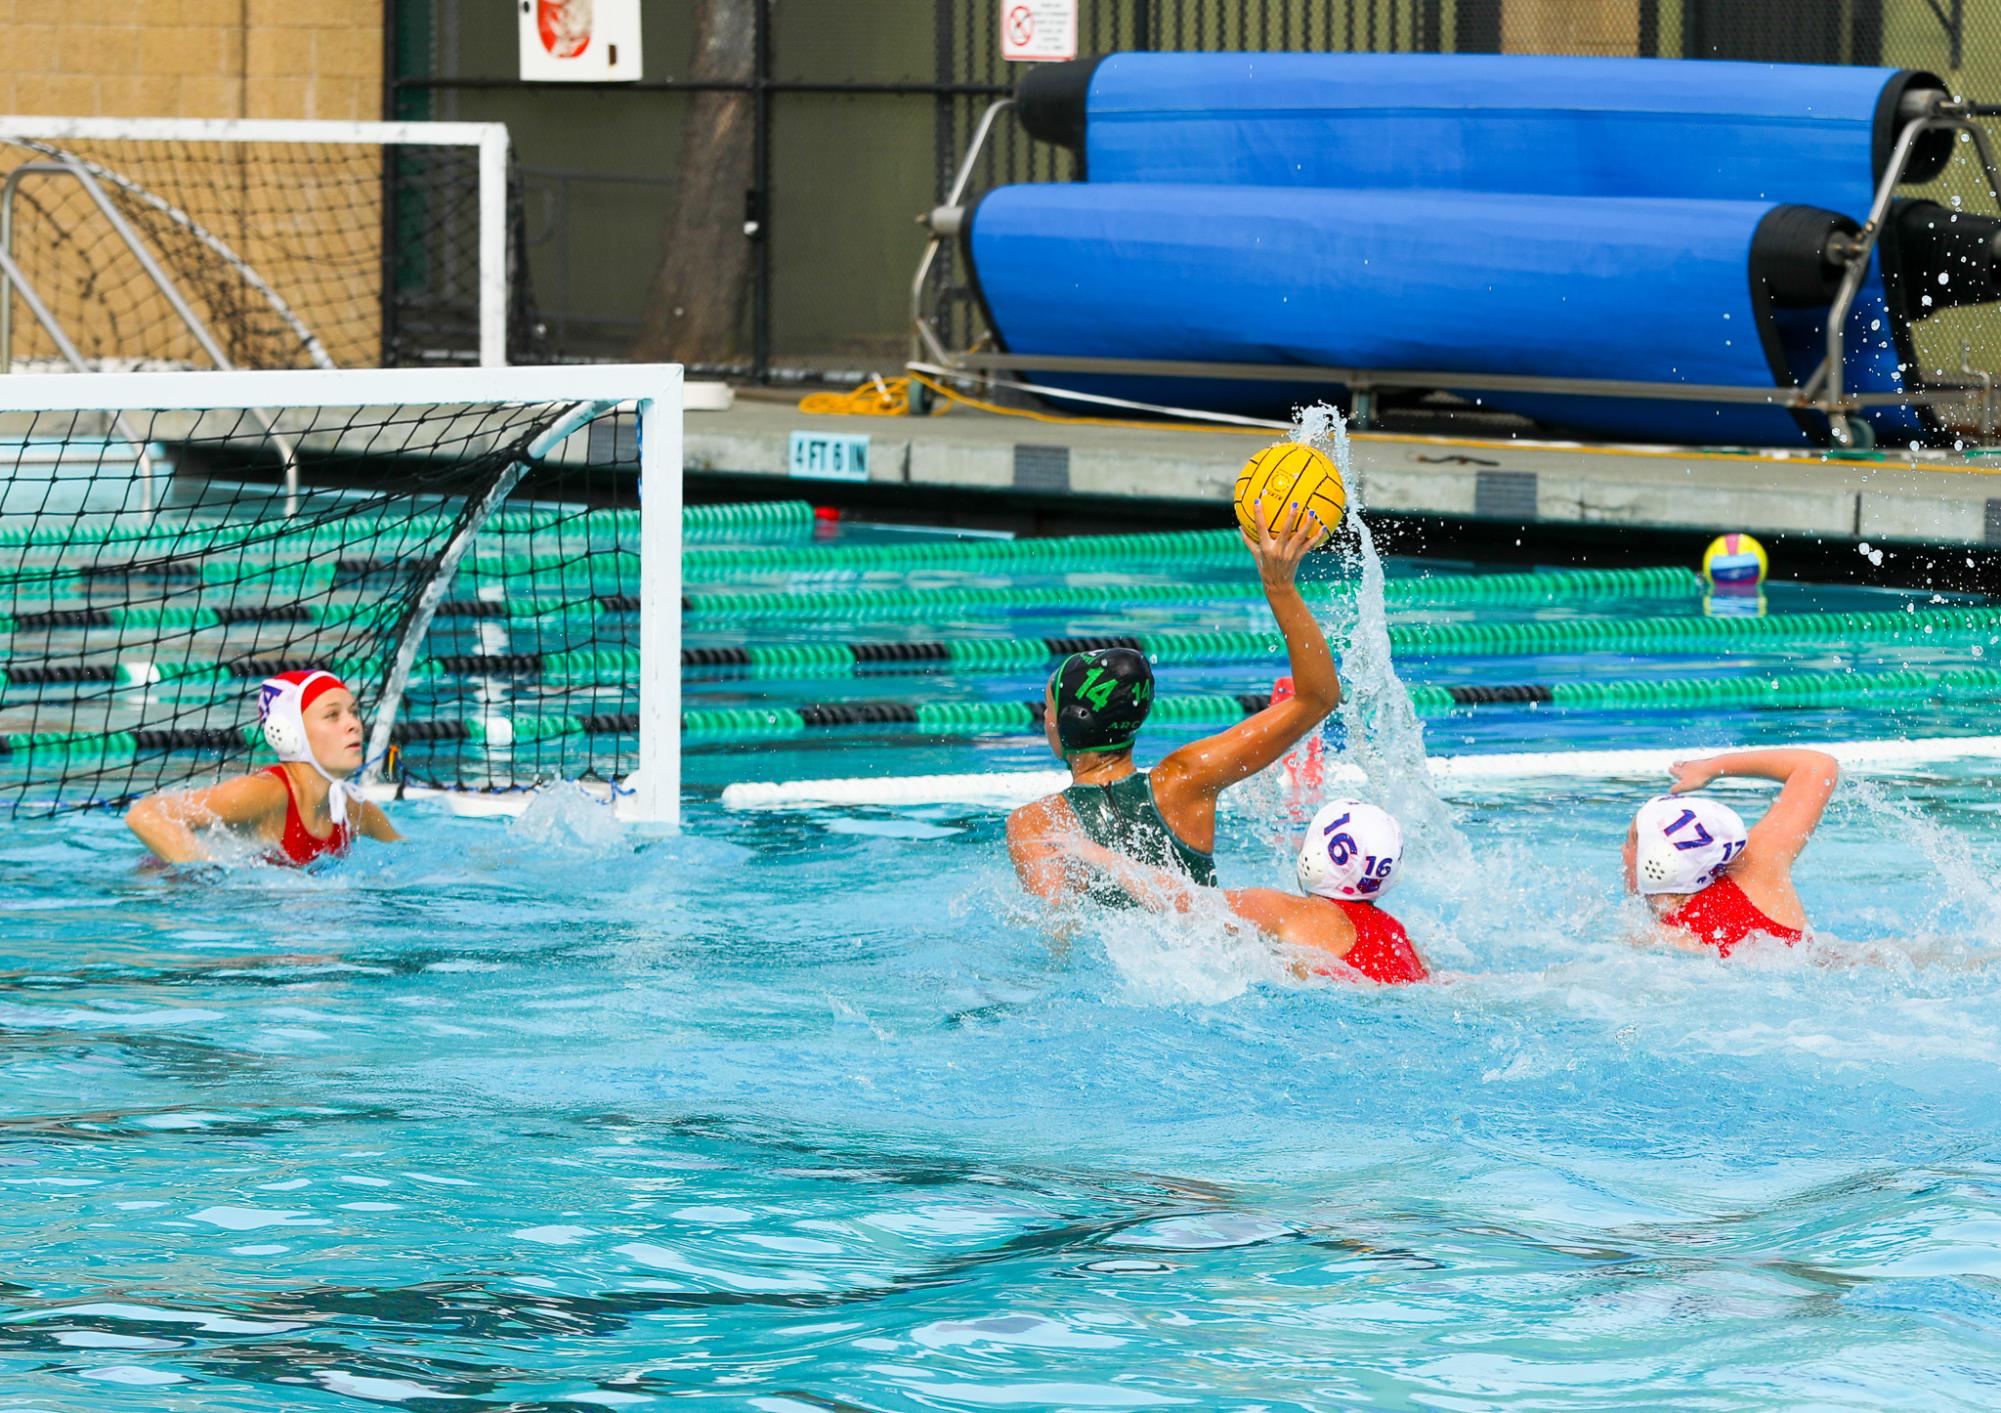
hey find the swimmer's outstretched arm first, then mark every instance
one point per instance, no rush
(1283, 917)
(166, 823)
(1217, 762)
(1806, 782)
(1036, 841)
(1297, 921)
(1154, 889)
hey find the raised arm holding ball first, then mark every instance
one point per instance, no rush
(1096, 702)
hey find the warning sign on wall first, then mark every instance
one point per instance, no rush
(579, 40)
(1038, 31)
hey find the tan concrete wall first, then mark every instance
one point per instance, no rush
(192, 58)
(307, 221)
(1605, 28)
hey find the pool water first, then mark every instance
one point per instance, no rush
(804, 1111)
(812, 1110)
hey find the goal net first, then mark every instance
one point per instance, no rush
(468, 548)
(201, 244)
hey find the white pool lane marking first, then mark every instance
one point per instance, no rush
(1012, 788)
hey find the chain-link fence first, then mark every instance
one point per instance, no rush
(850, 119)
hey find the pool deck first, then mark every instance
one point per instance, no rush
(968, 458)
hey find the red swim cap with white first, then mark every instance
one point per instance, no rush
(281, 707)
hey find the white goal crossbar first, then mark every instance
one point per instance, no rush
(489, 139)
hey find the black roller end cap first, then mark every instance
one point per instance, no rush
(1052, 99)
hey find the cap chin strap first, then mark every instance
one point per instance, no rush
(338, 789)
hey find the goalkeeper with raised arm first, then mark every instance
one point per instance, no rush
(304, 808)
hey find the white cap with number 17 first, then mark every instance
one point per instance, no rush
(1684, 842)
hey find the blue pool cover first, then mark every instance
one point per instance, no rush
(1554, 216)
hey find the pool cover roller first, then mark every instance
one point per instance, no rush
(1816, 134)
(1556, 135)
(1636, 288)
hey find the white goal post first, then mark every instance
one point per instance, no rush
(96, 142)
(643, 398)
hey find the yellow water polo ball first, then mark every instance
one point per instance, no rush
(1289, 474)
(1735, 562)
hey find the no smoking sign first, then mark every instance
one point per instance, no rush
(1038, 31)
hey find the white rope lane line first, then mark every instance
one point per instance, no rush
(1013, 788)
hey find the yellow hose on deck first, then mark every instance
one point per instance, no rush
(874, 398)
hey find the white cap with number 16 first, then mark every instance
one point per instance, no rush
(1350, 852)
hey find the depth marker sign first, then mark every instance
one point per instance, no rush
(1038, 31)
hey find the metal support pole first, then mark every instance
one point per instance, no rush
(175, 300)
(494, 276)
(43, 315)
(656, 785)
(8, 191)
(921, 332)
(392, 64)
(1986, 378)
(10, 274)
(152, 267)
(757, 223)
(1826, 382)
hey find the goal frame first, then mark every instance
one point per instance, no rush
(652, 793)
(489, 139)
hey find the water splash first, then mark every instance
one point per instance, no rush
(1383, 737)
(1966, 879)
(566, 816)
(1203, 956)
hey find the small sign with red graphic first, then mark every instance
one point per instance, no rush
(579, 40)
(1038, 31)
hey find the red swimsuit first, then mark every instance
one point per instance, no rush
(1723, 916)
(1382, 952)
(298, 846)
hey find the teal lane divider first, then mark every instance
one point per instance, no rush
(1428, 591)
(738, 725)
(614, 667)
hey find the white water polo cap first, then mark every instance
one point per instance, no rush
(281, 707)
(1351, 852)
(1684, 842)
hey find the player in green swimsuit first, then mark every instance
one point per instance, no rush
(1165, 817)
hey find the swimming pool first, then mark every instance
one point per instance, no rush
(802, 1110)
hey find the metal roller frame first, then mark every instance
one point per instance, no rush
(1822, 392)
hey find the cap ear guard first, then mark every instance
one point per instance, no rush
(284, 723)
